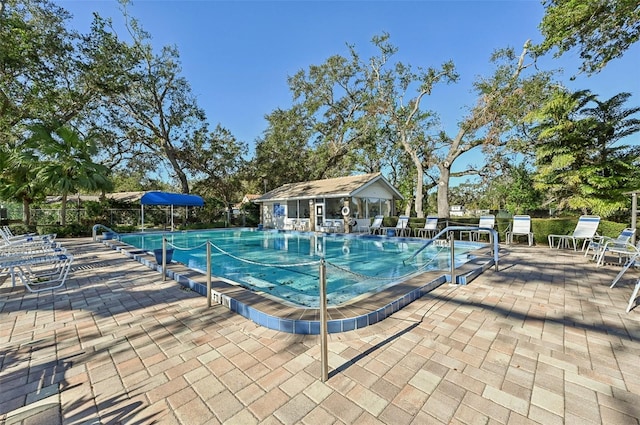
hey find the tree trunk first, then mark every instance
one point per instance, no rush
(443, 192)
(419, 188)
(63, 210)
(26, 211)
(182, 177)
(407, 209)
(419, 174)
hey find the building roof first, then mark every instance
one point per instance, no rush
(251, 196)
(328, 188)
(117, 196)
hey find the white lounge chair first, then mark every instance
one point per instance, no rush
(521, 226)
(376, 226)
(430, 228)
(402, 227)
(603, 245)
(361, 225)
(7, 237)
(38, 272)
(632, 261)
(486, 222)
(9, 233)
(585, 230)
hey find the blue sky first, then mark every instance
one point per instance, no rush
(237, 55)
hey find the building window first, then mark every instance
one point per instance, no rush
(292, 209)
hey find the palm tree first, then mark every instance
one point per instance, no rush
(18, 167)
(67, 166)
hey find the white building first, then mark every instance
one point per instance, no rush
(307, 205)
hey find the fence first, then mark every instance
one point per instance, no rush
(111, 217)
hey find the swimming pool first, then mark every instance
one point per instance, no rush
(285, 265)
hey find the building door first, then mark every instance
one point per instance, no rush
(319, 215)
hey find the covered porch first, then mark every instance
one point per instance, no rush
(343, 204)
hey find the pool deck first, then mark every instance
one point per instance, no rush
(543, 340)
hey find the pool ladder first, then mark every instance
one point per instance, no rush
(100, 226)
(450, 230)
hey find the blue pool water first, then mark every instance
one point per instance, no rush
(286, 264)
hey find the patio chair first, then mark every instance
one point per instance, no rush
(603, 245)
(585, 230)
(9, 233)
(337, 226)
(634, 295)
(402, 227)
(326, 226)
(18, 246)
(38, 272)
(301, 225)
(376, 226)
(486, 222)
(521, 226)
(430, 228)
(361, 225)
(632, 261)
(7, 237)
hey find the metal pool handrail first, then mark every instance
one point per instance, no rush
(100, 226)
(465, 228)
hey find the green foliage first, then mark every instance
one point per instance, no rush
(600, 30)
(65, 164)
(283, 155)
(97, 212)
(542, 228)
(35, 48)
(515, 190)
(579, 163)
(73, 230)
(216, 160)
(22, 229)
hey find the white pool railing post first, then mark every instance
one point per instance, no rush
(208, 273)
(453, 258)
(324, 351)
(164, 259)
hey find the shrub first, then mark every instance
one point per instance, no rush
(68, 231)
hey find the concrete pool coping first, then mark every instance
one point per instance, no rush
(271, 313)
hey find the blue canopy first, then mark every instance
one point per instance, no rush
(166, 198)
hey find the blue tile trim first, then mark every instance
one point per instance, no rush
(305, 327)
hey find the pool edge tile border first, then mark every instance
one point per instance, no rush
(300, 326)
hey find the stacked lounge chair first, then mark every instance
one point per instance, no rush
(38, 261)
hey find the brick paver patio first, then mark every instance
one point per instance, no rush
(544, 340)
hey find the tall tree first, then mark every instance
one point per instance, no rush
(50, 75)
(580, 163)
(157, 114)
(495, 121)
(514, 188)
(216, 160)
(331, 98)
(35, 49)
(601, 30)
(283, 154)
(407, 120)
